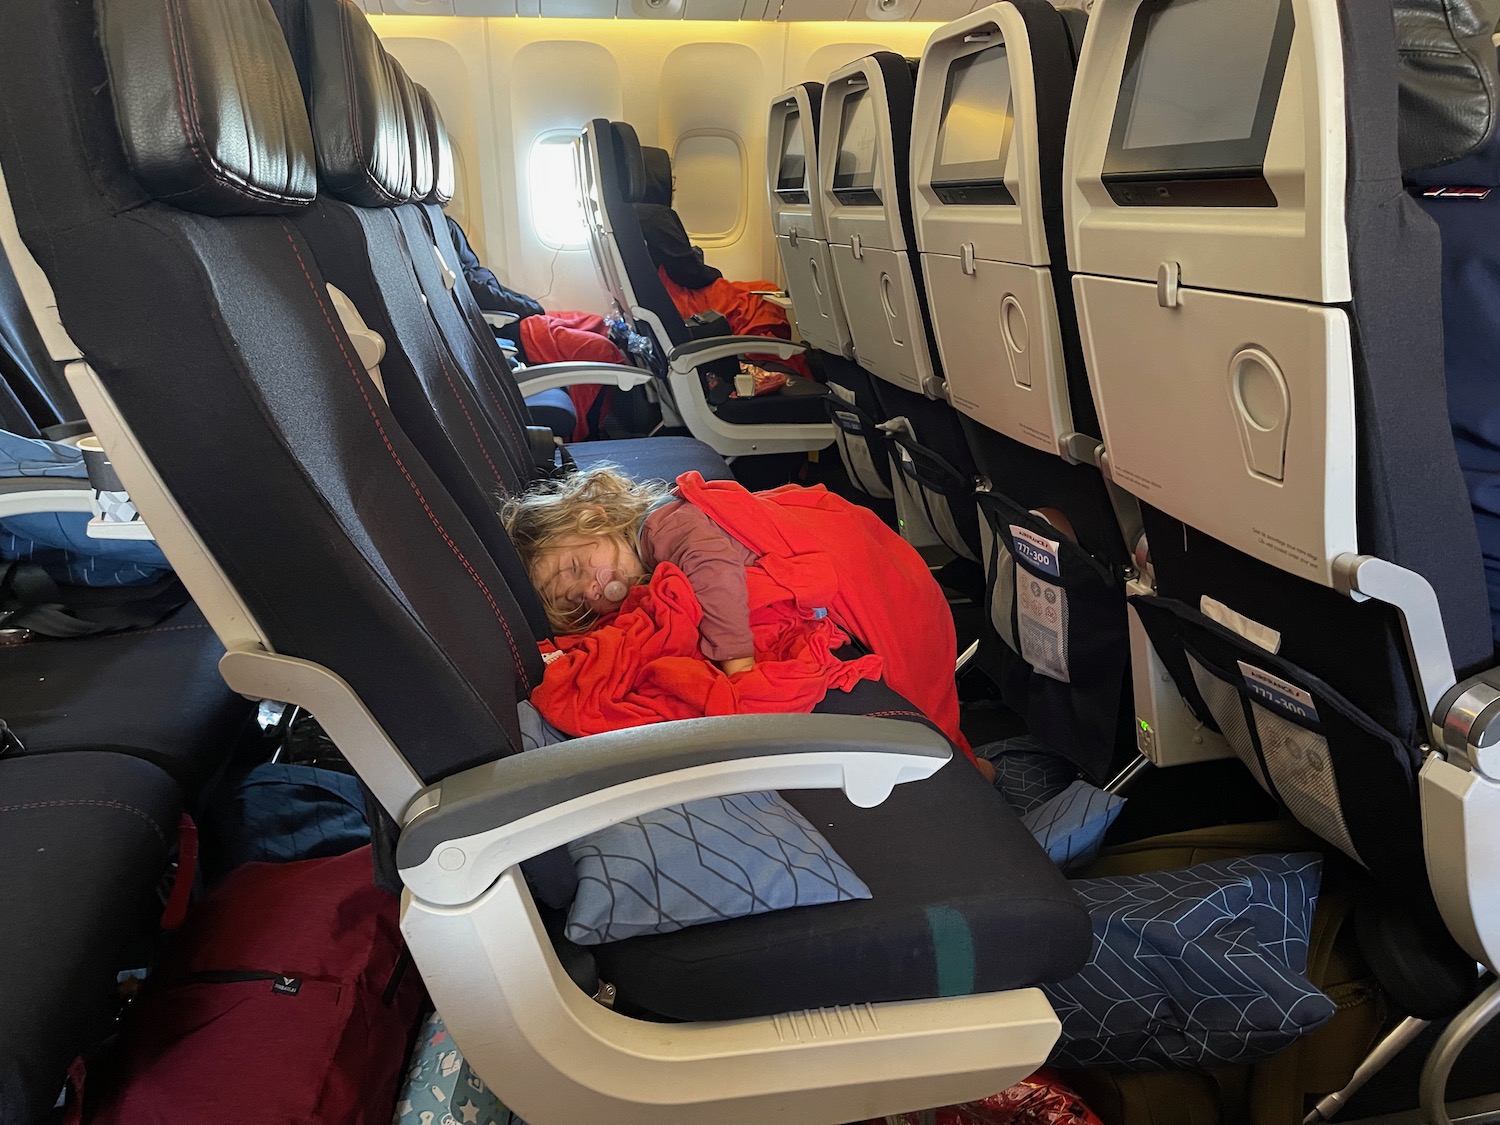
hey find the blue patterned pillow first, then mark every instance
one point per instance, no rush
(1195, 968)
(1027, 774)
(1071, 825)
(705, 861)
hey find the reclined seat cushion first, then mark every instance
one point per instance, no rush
(971, 904)
(84, 840)
(152, 693)
(658, 458)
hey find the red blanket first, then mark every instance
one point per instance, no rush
(558, 337)
(818, 551)
(642, 665)
(747, 313)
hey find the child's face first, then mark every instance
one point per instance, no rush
(572, 575)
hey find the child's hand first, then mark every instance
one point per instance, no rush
(736, 666)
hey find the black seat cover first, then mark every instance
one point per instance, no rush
(152, 693)
(84, 843)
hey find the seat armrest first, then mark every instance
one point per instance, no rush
(499, 319)
(546, 376)
(1468, 715)
(24, 496)
(463, 832)
(687, 356)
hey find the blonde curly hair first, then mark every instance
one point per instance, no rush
(597, 503)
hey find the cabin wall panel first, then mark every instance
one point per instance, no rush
(697, 87)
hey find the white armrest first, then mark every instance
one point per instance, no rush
(474, 825)
(695, 352)
(546, 376)
(500, 319)
(25, 496)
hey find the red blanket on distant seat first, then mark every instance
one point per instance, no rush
(817, 551)
(747, 313)
(560, 337)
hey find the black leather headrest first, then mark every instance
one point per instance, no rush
(628, 158)
(207, 104)
(422, 173)
(656, 173)
(444, 174)
(357, 109)
(1448, 78)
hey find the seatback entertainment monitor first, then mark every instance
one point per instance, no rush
(974, 137)
(791, 178)
(1198, 98)
(854, 173)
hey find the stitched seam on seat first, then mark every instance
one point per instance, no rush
(196, 143)
(894, 714)
(118, 636)
(438, 349)
(68, 803)
(416, 489)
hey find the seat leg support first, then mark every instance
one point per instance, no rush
(1456, 1036)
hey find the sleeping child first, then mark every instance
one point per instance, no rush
(587, 539)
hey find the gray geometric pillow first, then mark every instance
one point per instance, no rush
(1071, 825)
(1197, 968)
(705, 861)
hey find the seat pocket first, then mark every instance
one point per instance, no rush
(1335, 769)
(1061, 613)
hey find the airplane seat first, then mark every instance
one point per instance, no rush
(454, 397)
(34, 396)
(667, 240)
(863, 174)
(1259, 304)
(663, 457)
(87, 839)
(988, 126)
(802, 243)
(612, 175)
(801, 400)
(1461, 196)
(401, 636)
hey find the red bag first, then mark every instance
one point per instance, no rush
(287, 998)
(1039, 1100)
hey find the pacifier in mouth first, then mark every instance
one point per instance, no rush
(611, 585)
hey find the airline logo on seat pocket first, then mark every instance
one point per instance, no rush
(1039, 553)
(1273, 691)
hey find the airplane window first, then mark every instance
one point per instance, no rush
(556, 199)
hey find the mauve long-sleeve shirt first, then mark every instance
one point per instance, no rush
(714, 563)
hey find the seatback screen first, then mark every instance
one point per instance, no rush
(1198, 98)
(791, 176)
(974, 137)
(859, 151)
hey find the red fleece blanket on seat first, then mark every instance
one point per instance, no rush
(817, 552)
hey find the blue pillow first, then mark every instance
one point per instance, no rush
(1196, 968)
(1071, 825)
(1026, 772)
(705, 861)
